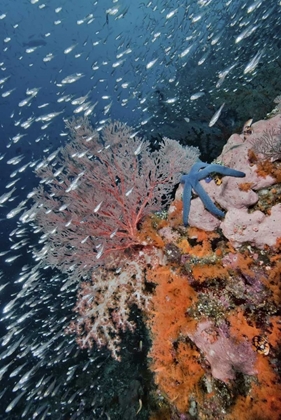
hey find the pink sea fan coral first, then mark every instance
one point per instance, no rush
(97, 189)
(93, 195)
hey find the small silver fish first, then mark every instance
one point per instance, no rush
(6, 196)
(196, 95)
(216, 116)
(253, 63)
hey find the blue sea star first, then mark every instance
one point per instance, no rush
(199, 171)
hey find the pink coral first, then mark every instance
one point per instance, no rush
(239, 225)
(224, 354)
(93, 195)
(259, 229)
(103, 304)
(95, 192)
(103, 307)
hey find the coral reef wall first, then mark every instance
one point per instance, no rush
(215, 316)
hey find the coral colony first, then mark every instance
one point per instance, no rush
(209, 292)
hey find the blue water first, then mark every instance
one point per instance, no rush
(141, 61)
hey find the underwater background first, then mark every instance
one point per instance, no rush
(192, 71)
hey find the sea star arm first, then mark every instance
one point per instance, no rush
(208, 204)
(223, 170)
(186, 197)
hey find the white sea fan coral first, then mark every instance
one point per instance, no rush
(269, 144)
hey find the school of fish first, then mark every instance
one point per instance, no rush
(146, 63)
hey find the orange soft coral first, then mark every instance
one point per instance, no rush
(173, 359)
(273, 281)
(209, 272)
(264, 399)
(175, 213)
(245, 186)
(240, 327)
(148, 234)
(202, 248)
(201, 235)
